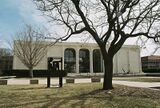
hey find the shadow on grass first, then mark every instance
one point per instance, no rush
(37, 87)
(31, 88)
(85, 98)
(24, 104)
(81, 100)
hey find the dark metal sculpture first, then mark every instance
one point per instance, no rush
(54, 65)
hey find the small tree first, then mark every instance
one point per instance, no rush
(107, 21)
(29, 47)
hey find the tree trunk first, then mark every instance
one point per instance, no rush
(108, 74)
(31, 72)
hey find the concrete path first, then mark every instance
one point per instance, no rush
(137, 84)
(23, 81)
(26, 81)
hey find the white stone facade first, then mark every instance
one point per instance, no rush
(127, 60)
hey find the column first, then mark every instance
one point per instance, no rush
(128, 56)
(91, 60)
(116, 64)
(63, 49)
(77, 60)
(139, 58)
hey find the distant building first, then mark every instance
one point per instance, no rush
(150, 62)
(87, 58)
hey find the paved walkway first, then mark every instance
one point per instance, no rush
(26, 81)
(23, 81)
(137, 84)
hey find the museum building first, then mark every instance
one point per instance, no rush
(87, 58)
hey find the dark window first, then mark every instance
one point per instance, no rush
(97, 62)
(70, 60)
(84, 64)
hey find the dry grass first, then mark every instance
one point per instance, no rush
(78, 96)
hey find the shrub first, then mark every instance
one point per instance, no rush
(36, 73)
(151, 70)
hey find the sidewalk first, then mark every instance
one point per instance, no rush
(23, 81)
(137, 84)
(26, 81)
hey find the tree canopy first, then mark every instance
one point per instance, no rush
(107, 21)
(29, 48)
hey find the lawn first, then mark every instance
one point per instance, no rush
(139, 79)
(77, 96)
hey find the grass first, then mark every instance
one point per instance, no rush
(139, 79)
(77, 96)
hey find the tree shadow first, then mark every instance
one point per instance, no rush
(34, 87)
(23, 104)
(77, 100)
(29, 88)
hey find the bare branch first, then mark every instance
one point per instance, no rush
(28, 48)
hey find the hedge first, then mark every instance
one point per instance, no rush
(151, 70)
(36, 73)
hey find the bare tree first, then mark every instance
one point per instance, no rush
(107, 21)
(5, 52)
(29, 47)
